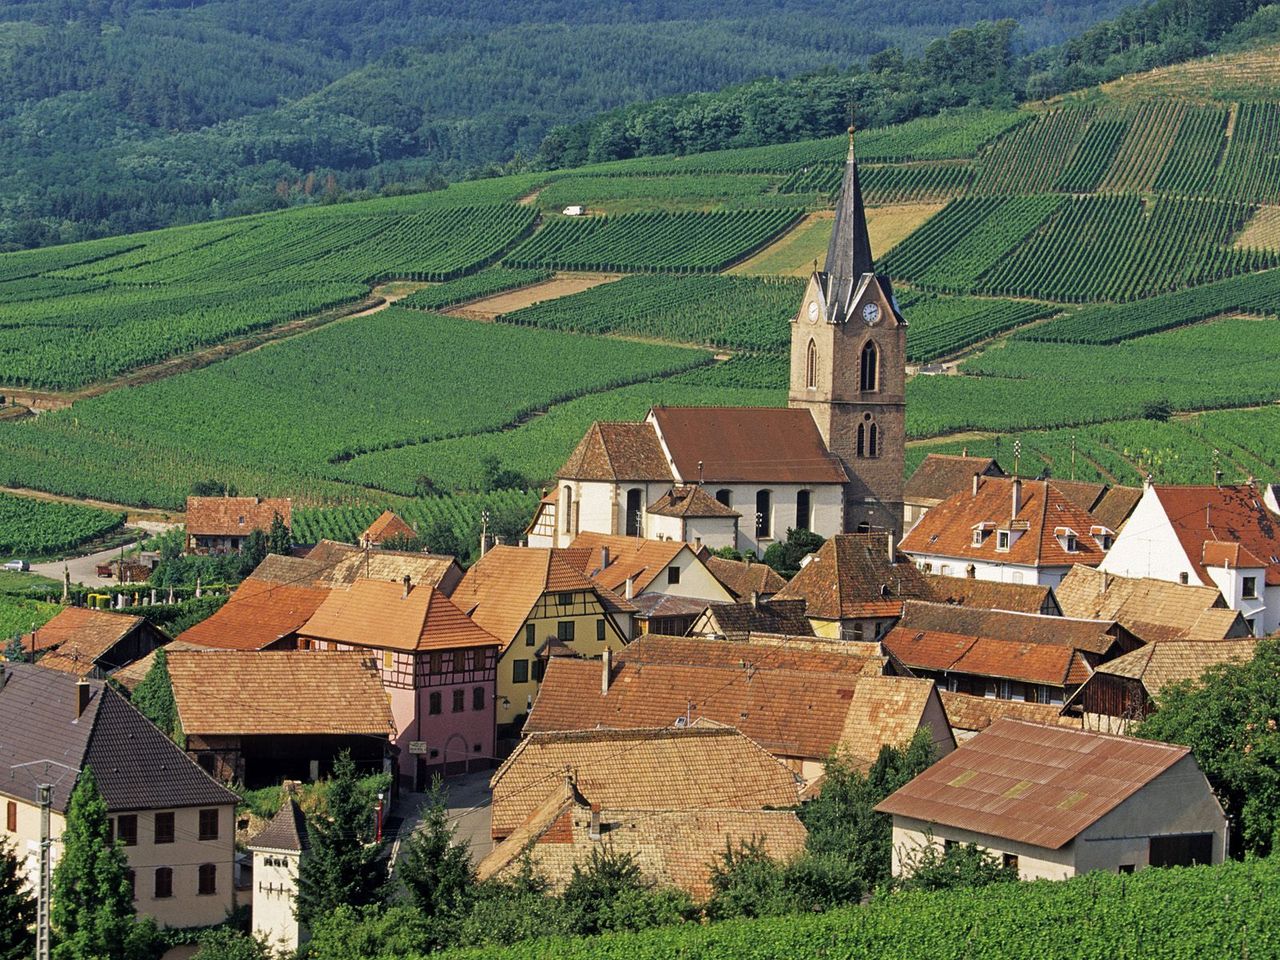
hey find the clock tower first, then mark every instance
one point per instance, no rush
(848, 366)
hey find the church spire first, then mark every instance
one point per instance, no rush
(849, 252)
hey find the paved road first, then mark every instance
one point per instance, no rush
(469, 812)
(83, 569)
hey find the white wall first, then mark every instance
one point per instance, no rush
(712, 532)
(826, 510)
(1260, 608)
(1148, 547)
(275, 874)
(986, 570)
(1034, 863)
(696, 580)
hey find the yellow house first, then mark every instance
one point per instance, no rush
(538, 604)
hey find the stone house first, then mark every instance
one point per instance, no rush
(223, 524)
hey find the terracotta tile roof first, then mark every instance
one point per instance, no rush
(966, 712)
(1092, 636)
(617, 451)
(1151, 609)
(741, 579)
(746, 445)
(690, 500)
(1032, 783)
(234, 516)
(1219, 553)
(640, 769)
(941, 475)
(1113, 509)
(387, 526)
(85, 633)
(1232, 514)
(257, 615)
(629, 557)
(784, 617)
(378, 614)
(341, 564)
(1083, 493)
(790, 696)
(129, 677)
(885, 712)
(947, 529)
(286, 831)
(279, 692)
(1158, 665)
(991, 595)
(851, 576)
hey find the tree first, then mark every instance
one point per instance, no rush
(14, 651)
(440, 537)
(252, 553)
(436, 870)
(785, 555)
(279, 538)
(494, 476)
(402, 543)
(17, 909)
(343, 865)
(154, 696)
(746, 882)
(609, 892)
(93, 915)
(223, 943)
(931, 867)
(1228, 719)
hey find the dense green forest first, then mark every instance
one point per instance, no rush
(121, 116)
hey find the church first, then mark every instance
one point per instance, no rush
(831, 461)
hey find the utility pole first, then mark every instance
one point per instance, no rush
(44, 883)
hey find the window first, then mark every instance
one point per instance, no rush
(566, 501)
(459, 700)
(859, 631)
(208, 824)
(437, 662)
(811, 367)
(764, 509)
(802, 510)
(873, 442)
(1002, 539)
(1010, 861)
(519, 671)
(11, 817)
(564, 599)
(1181, 850)
(164, 883)
(207, 882)
(991, 689)
(725, 496)
(868, 442)
(600, 634)
(868, 371)
(978, 536)
(673, 574)
(388, 659)
(164, 827)
(539, 670)
(635, 509)
(530, 634)
(971, 571)
(1183, 578)
(433, 703)
(564, 631)
(1070, 543)
(477, 698)
(127, 829)
(1250, 590)
(459, 661)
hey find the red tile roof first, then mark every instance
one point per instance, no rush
(852, 576)
(378, 614)
(636, 558)
(992, 595)
(234, 516)
(690, 500)
(1031, 783)
(1232, 514)
(970, 713)
(746, 445)
(82, 632)
(386, 527)
(259, 614)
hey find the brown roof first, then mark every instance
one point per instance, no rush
(785, 617)
(690, 500)
(1085, 494)
(640, 769)
(234, 516)
(1158, 665)
(338, 564)
(940, 475)
(1114, 507)
(85, 633)
(1152, 609)
(632, 558)
(746, 445)
(743, 578)
(991, 595)
(286, 831)
(257, 615)
(852, 576)
(947, 530)
(129, 677)
(387, 526)
(379, 614)
(617, 451)
(885, 712)
(1032, 783)
(1234, 514)
(279, 692)
(971, 713)
(1093, 636)
(651, 605)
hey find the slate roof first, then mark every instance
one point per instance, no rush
(746, 445)
(136, 766)
(885, 712)
(851, 576)
(1031, 783)
(279, 692)
(1234, 514)
(947, 529)
(941, 475)
(785, 617)
(992, 595)
(690, 500)
(378, 614)
(1157, 665)
(287, 830)
(86, 633)
(1151, 609)
(970, 713)
(741, 578)
(234, 516)
(387, 526)
(640, 769)
(617, 451)
(340, 564)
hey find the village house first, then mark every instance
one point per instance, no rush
(792, 696)
(666, 614)
(742, 578)
(92, 643)
(993, 595)
(1000, 655)
(940, 476)
(1125, 691)
(738, 621)
(387, 527)
(438, 666)
(1009, 530)
(1216, 536)
(1109, 504)
(539, 606)
(175, 823)
(223, 524)
(278, 850)
(260, 718)
(1055, 803)
(634, 566)
(854, 586)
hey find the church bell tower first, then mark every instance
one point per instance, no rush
(848, 366)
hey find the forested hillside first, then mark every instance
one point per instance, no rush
(122, 116)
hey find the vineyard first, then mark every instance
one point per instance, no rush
(461, 513)
(38, 528)
(914, 183)
(679, 242)
(19, 615)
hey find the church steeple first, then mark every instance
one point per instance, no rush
(849, 252)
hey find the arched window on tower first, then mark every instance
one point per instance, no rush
(873, 441)
(869, 370)
(811, 367)
(868, 441)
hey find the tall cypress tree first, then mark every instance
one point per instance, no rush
(17, 910)
(279, 539)
(154, 696)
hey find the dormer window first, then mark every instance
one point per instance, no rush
(1104, 536)
(1002, 540)
(980, 532)
(1067, 539)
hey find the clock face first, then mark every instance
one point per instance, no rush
(871, 314)
(813, 311)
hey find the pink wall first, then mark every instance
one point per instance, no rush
(453, 735)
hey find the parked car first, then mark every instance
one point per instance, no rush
(17, 565)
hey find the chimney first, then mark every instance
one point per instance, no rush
(630, 586)
(84, 693)
(1016, 487)
(893, 554)
(755, 599)
(976, 480)
(604, 558)
(408, 586)
(606, 670)
(594, 830)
